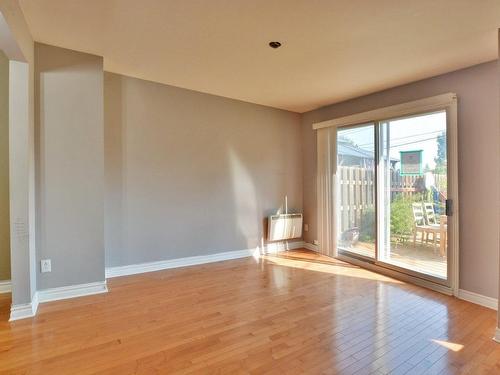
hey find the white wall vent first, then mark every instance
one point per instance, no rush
(284, 227)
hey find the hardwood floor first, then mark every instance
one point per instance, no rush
(297, 313)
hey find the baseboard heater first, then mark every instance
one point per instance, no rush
(284, 227)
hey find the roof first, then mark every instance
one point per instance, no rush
(346, 148)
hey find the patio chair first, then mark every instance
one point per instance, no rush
(422, 226)
(419, 220)
(430, 215)
(440, 227)
(432, 223)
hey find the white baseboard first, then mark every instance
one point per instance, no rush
(25, 310)
(478, 299)
(497, 335)
(71, 291)
(276, 247)
(28, 310)
(5, 286)
(134, 269)
(311, 246)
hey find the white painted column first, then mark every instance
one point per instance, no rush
(21, 176)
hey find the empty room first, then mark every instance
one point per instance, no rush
(249, 187)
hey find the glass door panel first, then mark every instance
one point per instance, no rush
(356, 220)
(412, 191)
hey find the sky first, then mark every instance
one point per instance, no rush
(407, 134)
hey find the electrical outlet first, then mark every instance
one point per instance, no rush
(45, 265)
(306, 227)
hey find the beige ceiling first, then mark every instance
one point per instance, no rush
(332, 49)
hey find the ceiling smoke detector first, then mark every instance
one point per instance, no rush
(274, 44)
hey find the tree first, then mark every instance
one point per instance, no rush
(440, 159)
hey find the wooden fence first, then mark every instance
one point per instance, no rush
(406, 185)
(357, 192)
(356, 195)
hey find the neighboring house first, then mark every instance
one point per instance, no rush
(349, 154)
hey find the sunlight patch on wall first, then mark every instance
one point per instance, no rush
(245, 198)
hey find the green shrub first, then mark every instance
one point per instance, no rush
(367, 226)
(402, 223)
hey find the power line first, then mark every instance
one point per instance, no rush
(413, 142)
(352, 131)
(405, 137)
(405, 144)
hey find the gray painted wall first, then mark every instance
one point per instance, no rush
(70, 173)
(4, 169)
(479, 147)
(190, 173)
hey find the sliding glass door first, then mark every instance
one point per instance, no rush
(392, 191)
(413, 193)
(356, 217)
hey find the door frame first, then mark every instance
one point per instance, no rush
(444, 102)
